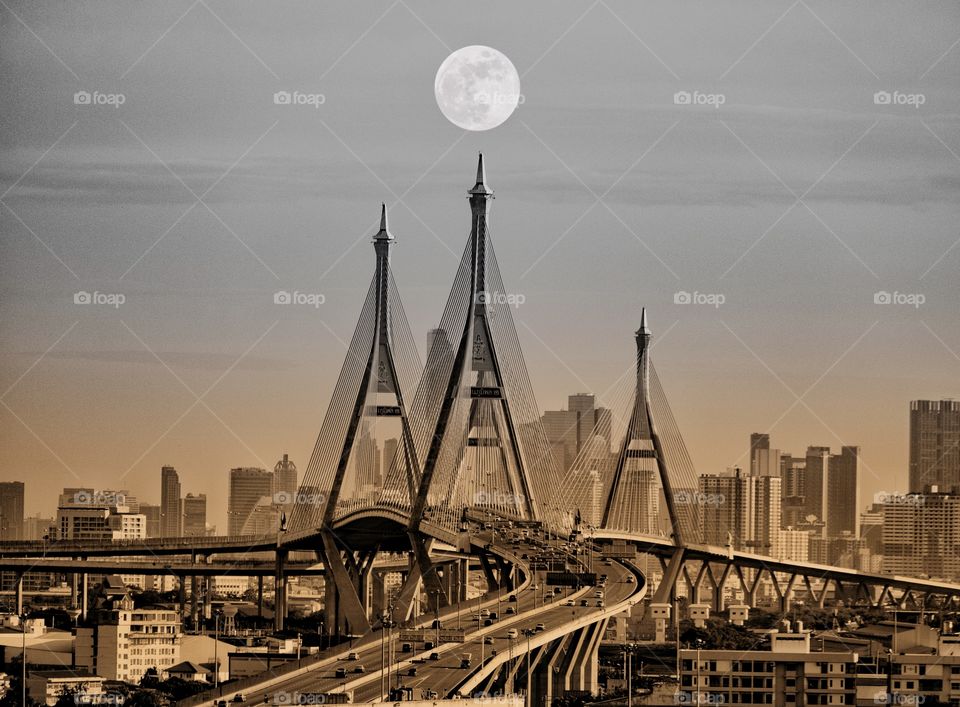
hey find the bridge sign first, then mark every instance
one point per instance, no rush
(411, 635)
(452, 636)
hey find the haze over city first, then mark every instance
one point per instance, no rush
(610, 197)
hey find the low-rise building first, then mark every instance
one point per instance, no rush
(46, 687)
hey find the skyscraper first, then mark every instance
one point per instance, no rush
(742, 509)
(250, 509)
(934, 444)
(285, 477)
(758, 441)
(815, 487)
(793, 472)
(11, 510)
(171, 513)
(194, 515)
(843, 492)
(570, 430)
(151, 512)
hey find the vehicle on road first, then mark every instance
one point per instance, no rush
(600, 604)
(406, 648)
(541, 627)
(510, 610)
(512, 633)
(412, 672)
(583, 602)
(569, 602)
(434, 656)
(488, 640)
(239, 697)
(631, 579)
(340, 673)
(512, 599)
(465, 660)
(359, 669)
(353, 655)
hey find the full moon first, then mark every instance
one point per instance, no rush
(477, 88)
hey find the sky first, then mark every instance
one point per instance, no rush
(785, 199)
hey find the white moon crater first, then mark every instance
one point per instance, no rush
(477, 88)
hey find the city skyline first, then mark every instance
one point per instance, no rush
(692, 192)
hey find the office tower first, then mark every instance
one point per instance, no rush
(195, 515)
(85, 514)
(758, 441)
(793, 545)
(151, 512)
(793, 505)
(842, 511)
(740, 510)
(871, 528)
(921, 535)
(934, 444)
(285, 478)
(569, 431)
(37, 527)
(815, 487)
(250, 509)
(171, 513)
(11, 510)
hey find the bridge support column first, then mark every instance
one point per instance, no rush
(84, 596)
(207, 598)
(194, 599)
(279, 590)
(546, 683)
(18, 592)
(182, 596)
(74, 591)
(378, 594)
(260, 597)
(351, 618)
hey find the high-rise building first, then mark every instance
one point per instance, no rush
(569, 431)
(921, 534)
(250, 509)
(815, 488)
(11, 510)
(151, 512)
(934, 444)
(792, 471)
(842, 511)
(85, 514)
(37, 527)
(793, 545)
(285, 478)
(740, 509)
(758, 441)
(171, 511)
(195, 515)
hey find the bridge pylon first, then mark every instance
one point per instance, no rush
(365, 437)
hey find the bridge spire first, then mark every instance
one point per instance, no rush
(633, 498)
(482, 444)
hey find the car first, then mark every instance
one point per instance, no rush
(512, 599)
(494, 616)
(583, 602)
(598, 594)
(340, 673)
(557, 590)
(430, 694)
(524, 556)
(600, 604)
(488, 622)
(412, 672)
(512, 633)
(434, 656)
(488, 640)
(221, 703)
(239, 697)
(465, 660)
(436, 624)
(541, 627)
(569, 602)
(484, 613)
(406, 648)
(510, 610)
(359, 669)
(353, 655)
(631, 579)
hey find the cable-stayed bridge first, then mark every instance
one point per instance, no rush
(446, 466)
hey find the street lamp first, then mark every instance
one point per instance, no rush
(216, 649)
(699, 646)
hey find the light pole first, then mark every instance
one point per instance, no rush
(630, 676)
(216, 649)
(528, 632)
(23, 657)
